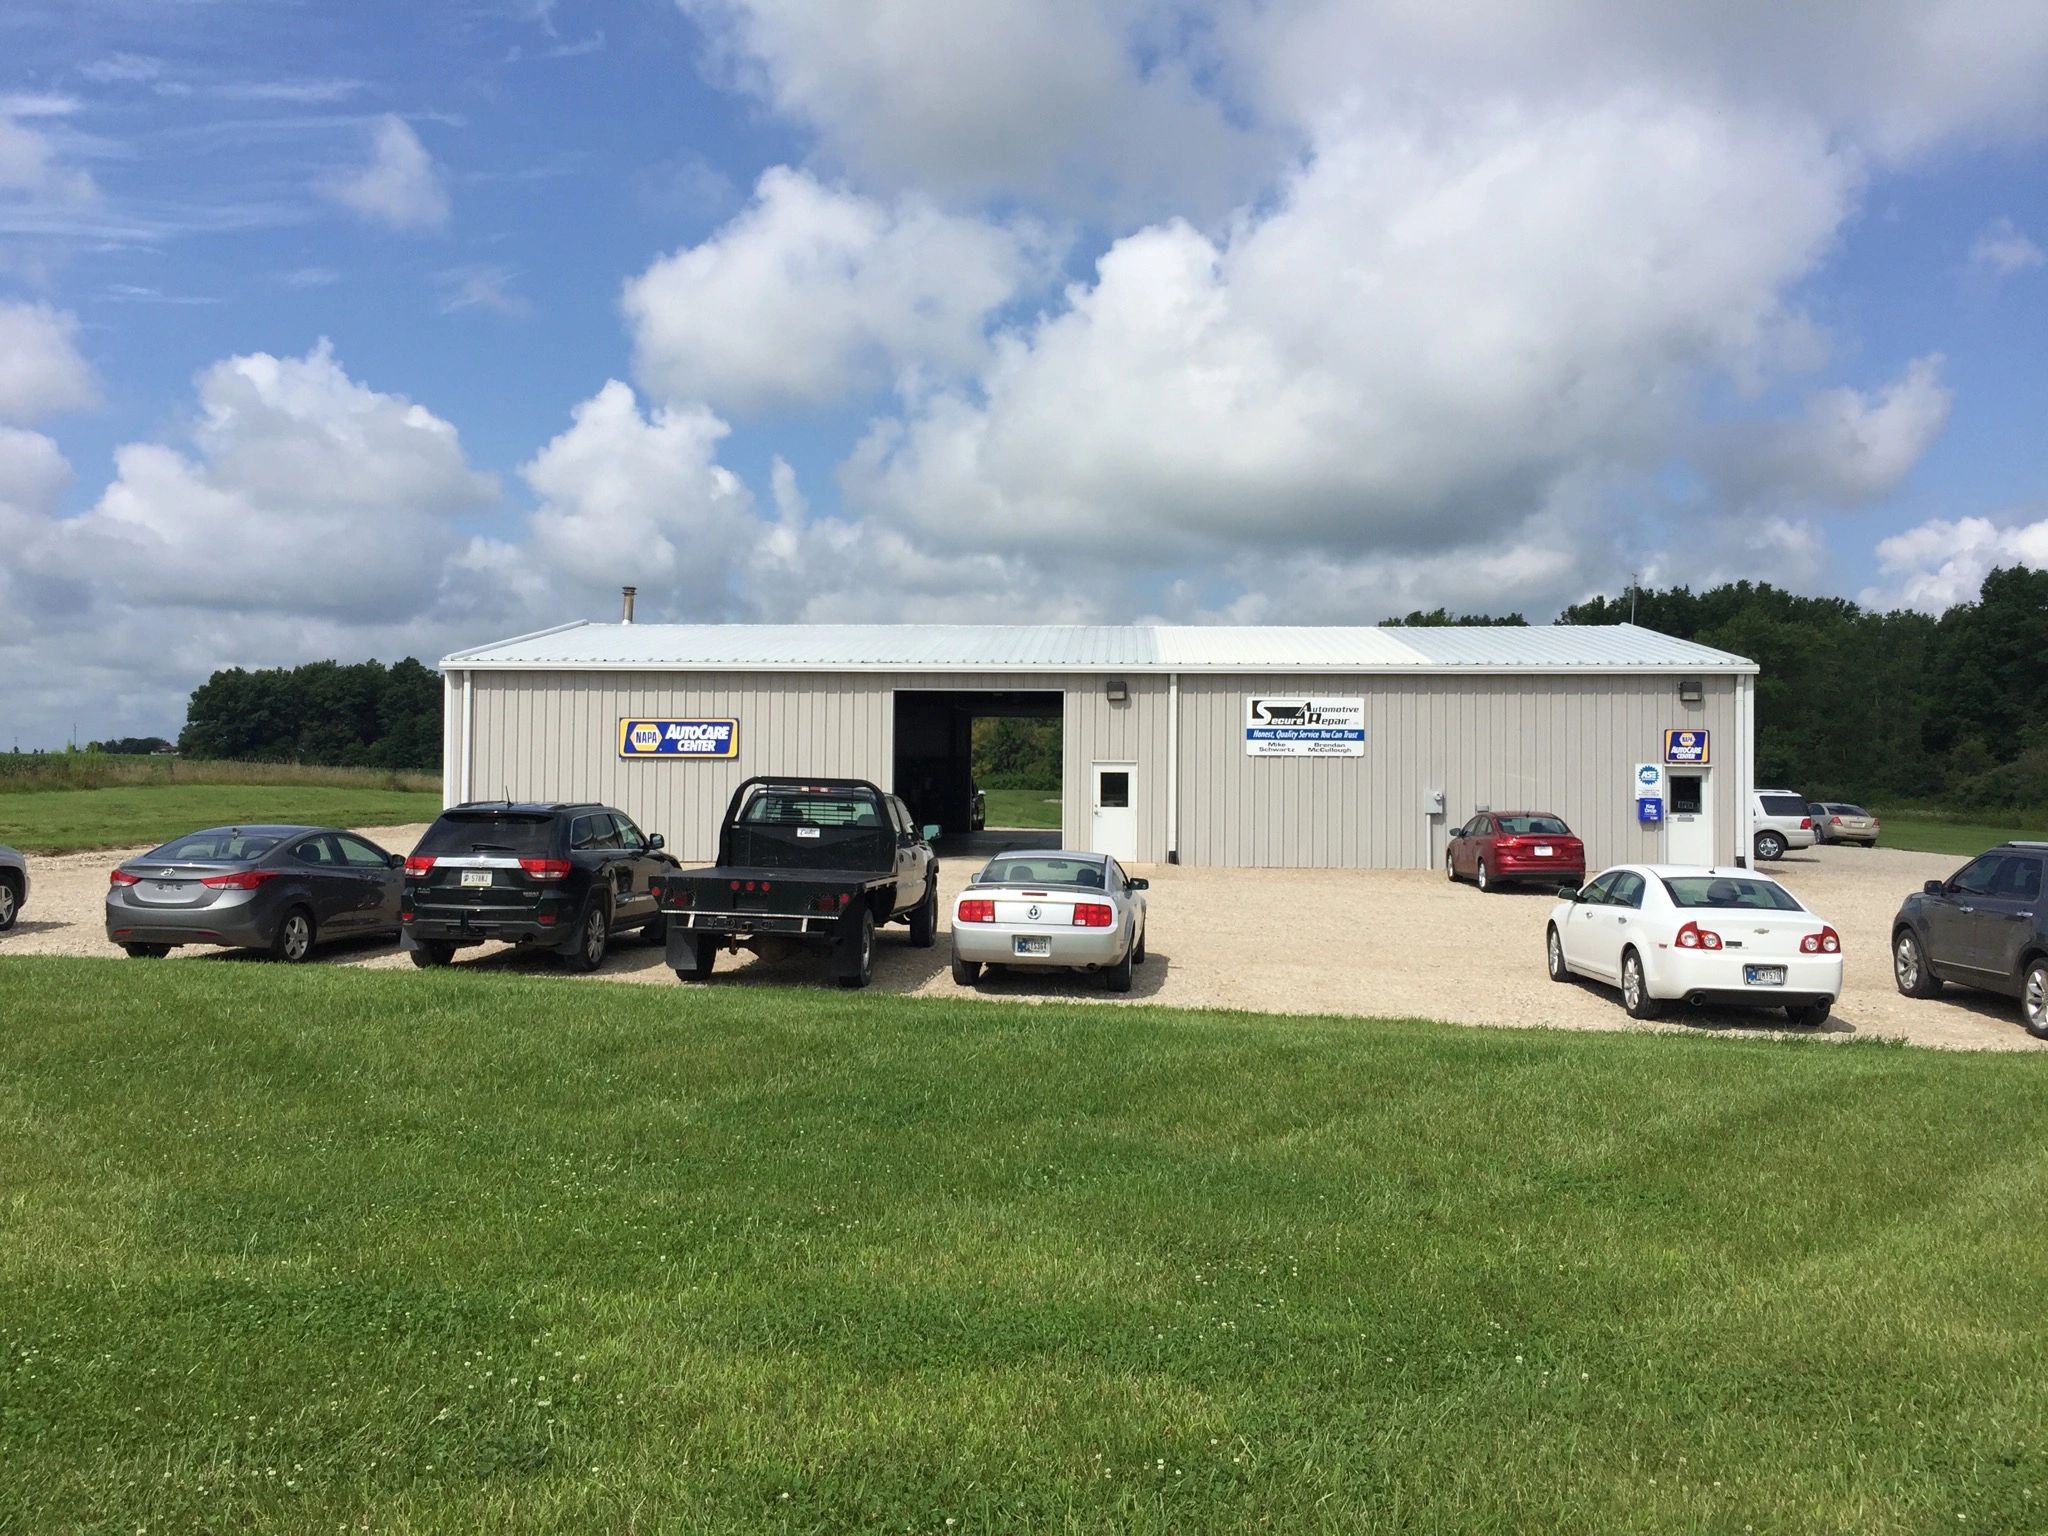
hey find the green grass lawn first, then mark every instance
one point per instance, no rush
(312, 1249)
(1036, 808)
(1935, 832)
(64, 820)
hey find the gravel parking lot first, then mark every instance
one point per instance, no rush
(1372, 943)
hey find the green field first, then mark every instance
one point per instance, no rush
(1034, 808)
(1937, 832)
(66, 820)
(314, 1249)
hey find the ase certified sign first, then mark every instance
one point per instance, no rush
(679, 738)
(1288, 725)
(1685, 746)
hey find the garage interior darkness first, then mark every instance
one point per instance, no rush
(935, 745)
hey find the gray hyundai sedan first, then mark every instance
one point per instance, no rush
(283, 889)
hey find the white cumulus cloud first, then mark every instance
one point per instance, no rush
(41, 371)
(1848, 448)
(399, 187)
(2002, 250)
(1941, 562)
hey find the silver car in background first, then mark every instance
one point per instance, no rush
(13, 886)
(1051, 907)
(283, 889)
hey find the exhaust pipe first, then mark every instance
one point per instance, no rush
(626, 594)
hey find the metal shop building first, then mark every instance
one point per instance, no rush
(1345, 747)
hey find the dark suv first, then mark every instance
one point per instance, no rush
(1984, 926)
(561, 877)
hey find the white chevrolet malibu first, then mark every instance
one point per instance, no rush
(1077, 911)
(1673, 933)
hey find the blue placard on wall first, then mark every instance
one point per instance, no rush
(1649, 810)
(714, 739)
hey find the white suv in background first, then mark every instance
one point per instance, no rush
(1779, 819)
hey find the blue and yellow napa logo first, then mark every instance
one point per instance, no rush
(714, 739)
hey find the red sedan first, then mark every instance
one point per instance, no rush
(1498, 848)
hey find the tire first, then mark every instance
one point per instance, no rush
(1809, 1015)
(10, 903)
(593, 937)
(865, 938)
(1450, 869)
(1635, 991)
(296, 934)
(1138, 954)
(966, 972)
(1117, 978)
(1553, 954)
(656, 930)
(2034, 997)
(147, 951)
(432, 953)
(924, 918)
(1770, 846)
(1479, 876)
(1910, 969)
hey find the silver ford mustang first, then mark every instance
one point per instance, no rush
(1051, 907)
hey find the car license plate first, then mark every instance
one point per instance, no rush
(1543, 850)
(1763, 975)
(165, 885)
(1033, 944)
(476, 877)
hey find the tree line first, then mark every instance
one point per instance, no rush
(364, 715)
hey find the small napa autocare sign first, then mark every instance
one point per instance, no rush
(1289, 725)
(715, 739)
(1685, 746)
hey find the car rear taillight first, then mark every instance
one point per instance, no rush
(545, 869)
(1826, 942)
(419, 863)
(833, 903)
(241, 879)
(1693, 936)
(1834, 821)
(1092, 914)
(1806, 823)
(122, 877)
(977, 911)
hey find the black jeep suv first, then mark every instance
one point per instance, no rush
(1984, 926)
(560, 877)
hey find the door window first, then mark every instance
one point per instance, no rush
(1601, 892)
(2019, 878)
(357, 854)
(1113, 789)
(1978, 878)
(1685, 794)
(629, 835)
(1627, 890)
(583, 834)
(317, 851)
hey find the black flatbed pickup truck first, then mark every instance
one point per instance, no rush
(816, 862)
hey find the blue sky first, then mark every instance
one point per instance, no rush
(371, 329)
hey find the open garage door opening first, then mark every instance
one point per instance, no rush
(982, 765)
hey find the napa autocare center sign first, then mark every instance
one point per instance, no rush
(1291, 726)
(716, 739)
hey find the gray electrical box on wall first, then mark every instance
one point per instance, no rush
(1432, 802)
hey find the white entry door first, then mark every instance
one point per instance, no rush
(1689, 822)
(1116, 814)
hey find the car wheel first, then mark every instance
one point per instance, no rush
(593, 935)
(1553, 950)
(431, 953)
(1809, 1015)
(1479, 876)
(2034, 999)
(865, 939)
(147, 951)
(1117, 978)
(924, 921)
(10, 904)
(656, 930)
(1769, 845)
(1450, 868)
(1138, 955)
(966, 972)
(294, 938)
(1909, 966)
(1635, 990)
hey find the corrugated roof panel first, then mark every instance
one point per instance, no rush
(1095, 648)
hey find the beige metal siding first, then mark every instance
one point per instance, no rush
(552, 735)
(1562, 744)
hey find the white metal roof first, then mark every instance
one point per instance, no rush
(1131, 648)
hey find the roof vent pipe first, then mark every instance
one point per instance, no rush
(626, 595)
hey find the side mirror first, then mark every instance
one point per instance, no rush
(1932, 888)
(656, 843)
(1567, 893)
(1139, 884)
(931, 830)
(397, 861)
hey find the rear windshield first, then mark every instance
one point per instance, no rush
(460, 832)
(1541, 826)
(223, 845)
(1847, 810)
(1044, 871)
(1783, 805)
(787, 808)
(1730, 891)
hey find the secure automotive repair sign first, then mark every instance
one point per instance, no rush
(1298, 727)
(679, 738)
